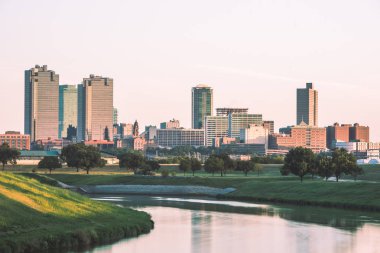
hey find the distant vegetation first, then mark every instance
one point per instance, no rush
(302, 161)
(83, 157)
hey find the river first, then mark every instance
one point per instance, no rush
(197, 225)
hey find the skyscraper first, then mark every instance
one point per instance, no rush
(115, 116)
(307, 105)
(41, 103)
(95, 108)
(68, 108)
(201, 105)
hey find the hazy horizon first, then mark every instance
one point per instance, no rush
(254, 54)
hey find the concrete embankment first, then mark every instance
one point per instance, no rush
(189, 190)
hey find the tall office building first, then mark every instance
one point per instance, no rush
(216, 127)
(307, 105)
(237, 121)
(68, 109)
(225, 111)
(95, 108)
(115, 116)
(201, 105)
(41, 103)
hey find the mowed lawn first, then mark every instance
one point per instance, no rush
(268, 186)
(36, 217)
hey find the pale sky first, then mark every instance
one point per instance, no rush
(253, 53)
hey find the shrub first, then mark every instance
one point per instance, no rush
(165, 173)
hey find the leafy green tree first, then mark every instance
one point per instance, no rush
(298, 162)
(73, 154)
(343, 162)
(91, 158)
(258, 168)
(131, 160)
(228, 163)
(214, 164)
(324, 164)
(50, 163)
(8, 155)
(185, 165)
(195, 165)
(355, 171)
(154, 165)
(245, 166)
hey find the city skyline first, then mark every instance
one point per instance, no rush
(257, 70)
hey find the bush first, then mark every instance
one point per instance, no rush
(165, 173)
(173, 173)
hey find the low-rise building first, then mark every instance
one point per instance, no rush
(170, 124)
(254, 134)
(180, 137)
(244, 149)
(16, 140)
(132, 142)
(302, 135)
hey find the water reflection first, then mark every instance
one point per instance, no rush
(208, 225)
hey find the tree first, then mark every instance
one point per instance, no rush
(355, 171)
(298, 162)
(50, 163)
(185, 165)
(245, 166)
(213, 164)
(8, 155)
(258, 167)
(154, 165)
(131, 160)
(91, 158)
(342, 162)
(324, 164)
(227, 161)
(195, 165)
(73, 154)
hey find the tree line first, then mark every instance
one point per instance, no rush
(302, 161)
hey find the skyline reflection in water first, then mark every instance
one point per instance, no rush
(207, 225)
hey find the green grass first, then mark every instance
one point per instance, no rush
(353, 195)
(36, 217)
(269, 186)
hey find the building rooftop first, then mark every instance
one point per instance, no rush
(26, 153)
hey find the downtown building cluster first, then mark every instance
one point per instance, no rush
(57, 114)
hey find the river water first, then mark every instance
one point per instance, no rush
(184, 225)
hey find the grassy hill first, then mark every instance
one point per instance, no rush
(36, 217)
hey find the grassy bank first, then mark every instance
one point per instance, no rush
(36, 217)
(268, 188)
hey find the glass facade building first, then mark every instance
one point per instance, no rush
(68, 108)
(201, 106)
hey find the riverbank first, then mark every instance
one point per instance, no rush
(156, 190)
(36, 217)
(316, 192)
